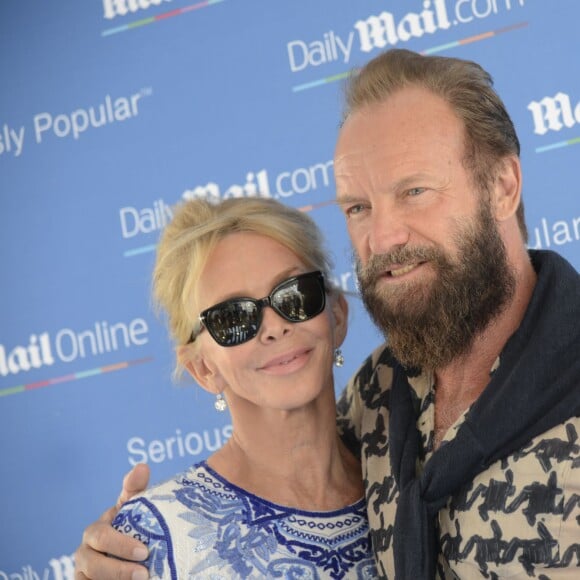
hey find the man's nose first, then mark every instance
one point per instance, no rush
(388, 229)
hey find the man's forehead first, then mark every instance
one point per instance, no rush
(410, 107)
(412, 146)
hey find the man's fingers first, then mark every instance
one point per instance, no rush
(101, 537)
(134, 482)
(90, 565)
(101, 540)
(108, 516)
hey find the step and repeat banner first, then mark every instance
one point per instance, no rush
(111, 112)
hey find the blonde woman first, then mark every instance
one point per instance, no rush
(245, 285)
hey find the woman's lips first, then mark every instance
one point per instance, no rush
(287, 361)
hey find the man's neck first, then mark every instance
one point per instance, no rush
(459, 384)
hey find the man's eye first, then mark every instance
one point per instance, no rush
(415, 191)
(353, 210)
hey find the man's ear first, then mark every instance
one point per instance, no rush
(203, 371)
(507, 189)
(339, 307)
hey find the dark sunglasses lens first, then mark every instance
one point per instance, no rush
(300, 299)
(233, 322)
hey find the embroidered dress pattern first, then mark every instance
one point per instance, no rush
(198, 525)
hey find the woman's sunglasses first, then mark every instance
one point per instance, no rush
(238, 320)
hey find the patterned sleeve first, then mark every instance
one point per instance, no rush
(569, 540)
(349, 418)
(141, 520)
(368, 388)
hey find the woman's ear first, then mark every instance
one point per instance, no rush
(339, 307)
(201, 369)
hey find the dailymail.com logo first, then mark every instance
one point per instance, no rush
(387, 29)
(114, 8)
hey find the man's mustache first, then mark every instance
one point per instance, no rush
(378, 264)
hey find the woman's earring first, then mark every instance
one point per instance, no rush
(220, 403)
(338, 358)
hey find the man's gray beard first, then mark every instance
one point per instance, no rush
(427, 325)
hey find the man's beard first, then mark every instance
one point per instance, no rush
(429, 324)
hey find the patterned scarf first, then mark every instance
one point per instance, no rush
(535, 388)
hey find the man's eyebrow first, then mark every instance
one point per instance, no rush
(348, 198)
(411, 180)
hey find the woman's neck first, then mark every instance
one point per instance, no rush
(292, 458)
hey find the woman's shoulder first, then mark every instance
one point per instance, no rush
(202, 490)
(197, 480)
(170, 508)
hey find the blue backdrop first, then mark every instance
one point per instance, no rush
(111, 111)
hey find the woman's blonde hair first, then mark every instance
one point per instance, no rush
(198, 225)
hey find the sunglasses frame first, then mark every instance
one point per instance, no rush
(260, 304)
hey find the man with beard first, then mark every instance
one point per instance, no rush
(467, 418)
(479, 378)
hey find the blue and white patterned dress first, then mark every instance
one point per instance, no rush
(198, 525)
